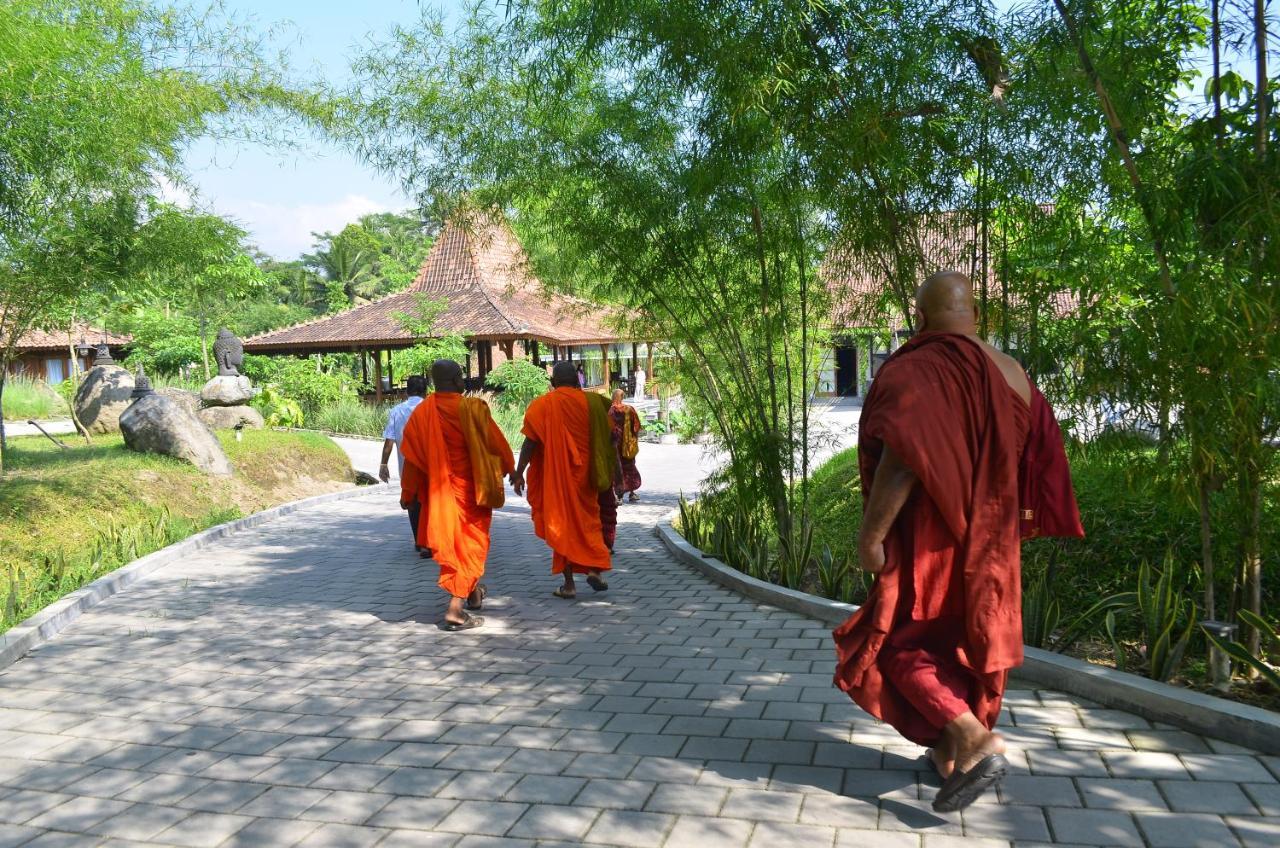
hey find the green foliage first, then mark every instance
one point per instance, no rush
(521, 383)
(277, 409)
(25, 398)
(350, 416)
(1167, 618)
(1242, 655)
(433, 345)
(375, 256)
(313, 385)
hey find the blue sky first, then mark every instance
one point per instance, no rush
(281, 197)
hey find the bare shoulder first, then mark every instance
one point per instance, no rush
(1011, 370)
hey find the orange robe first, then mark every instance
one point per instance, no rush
(943, 623)
(565, 477)
(455, 457)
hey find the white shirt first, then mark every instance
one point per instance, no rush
(396, 420)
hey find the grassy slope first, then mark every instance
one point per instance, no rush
(68, 517)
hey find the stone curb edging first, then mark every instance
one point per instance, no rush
(1238, 723)
(53, 619)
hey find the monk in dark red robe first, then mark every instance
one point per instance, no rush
(941, 436)
(569, 454)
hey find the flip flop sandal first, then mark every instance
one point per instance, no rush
(483, 592)
(471, 622)
(596, 584)
(963, 788)
(561, 593)
(634, 499)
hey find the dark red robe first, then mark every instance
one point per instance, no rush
(952, 556)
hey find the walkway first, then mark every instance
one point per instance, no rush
(290, 687)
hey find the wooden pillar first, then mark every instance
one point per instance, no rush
(648, 363)
(635, 359)
(364, 366)
(377, 376)
(604, 365)
(534, 352)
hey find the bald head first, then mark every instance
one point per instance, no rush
(447, 376)
(564, 374)
(944, 303)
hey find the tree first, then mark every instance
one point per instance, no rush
(432, 344)
(378, 255)
(99, 98)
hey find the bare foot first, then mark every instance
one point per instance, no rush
(943, 757)
(972, 742)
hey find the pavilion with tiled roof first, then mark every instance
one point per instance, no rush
(48, 354)
(492, 299)
(864, 307)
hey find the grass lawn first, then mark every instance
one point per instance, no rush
(67, 517)
(25, 398)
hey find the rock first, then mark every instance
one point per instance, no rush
(105, 393)
(155, 424)
(227, 417)
(364, 478)
(227, 391)
(190, 401)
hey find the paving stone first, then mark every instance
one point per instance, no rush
(415, 813)
(1237, 768)
(1021, 824)
(696, 800)
(615, 794)
(224, 796)
(13, 835)
(478, 786)
(1118, 794)
(415, 781)
(283, 802)
(346, 836)
(78, 815)
(273, 832)
(1037, 791)
(1203, 796)
(703, 832)
(547, 821)
(762, 806)
(546, 789)
(1184, 830)
(848, 838)
(630, 829)
(841, 812)
(1094, 827)
(204, 830)
(347, 807)
(490, 818)
(1255, 832)
(769, 834)
(140, 822)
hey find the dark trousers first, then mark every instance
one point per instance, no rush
(415, 511)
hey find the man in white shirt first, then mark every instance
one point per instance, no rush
(392, 436)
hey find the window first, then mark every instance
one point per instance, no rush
(53, 373)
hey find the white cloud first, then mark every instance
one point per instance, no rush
(284, 230)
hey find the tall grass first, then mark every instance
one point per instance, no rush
(27, 398)
(350, 417)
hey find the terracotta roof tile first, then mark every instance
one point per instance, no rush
(478, 268)
(56, 340)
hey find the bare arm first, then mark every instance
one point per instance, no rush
(384, 473)
(893, 484)
(527, 451)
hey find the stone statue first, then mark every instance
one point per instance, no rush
(141, 384)
(103, 355)
(228, 353)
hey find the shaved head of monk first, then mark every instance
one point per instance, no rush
(564, 375)
(944, 303)
(447, 376)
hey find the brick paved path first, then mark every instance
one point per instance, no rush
(290, 687)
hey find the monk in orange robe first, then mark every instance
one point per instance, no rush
(455, 459)
(568, 451)
(941, 435)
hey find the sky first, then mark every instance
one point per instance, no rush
(281, 197)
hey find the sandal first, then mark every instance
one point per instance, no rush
(561, 593)
(634, 498)
(596, 584)
(963, 788)
(481, 592)
(471, 622)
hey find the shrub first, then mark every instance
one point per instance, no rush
(350, 416)
(520, 381)
(312, 387)
(27, 398)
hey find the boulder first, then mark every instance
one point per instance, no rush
(227, 391)
(155, 424)
(227, 417)
(190, 401)
(106, 392)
